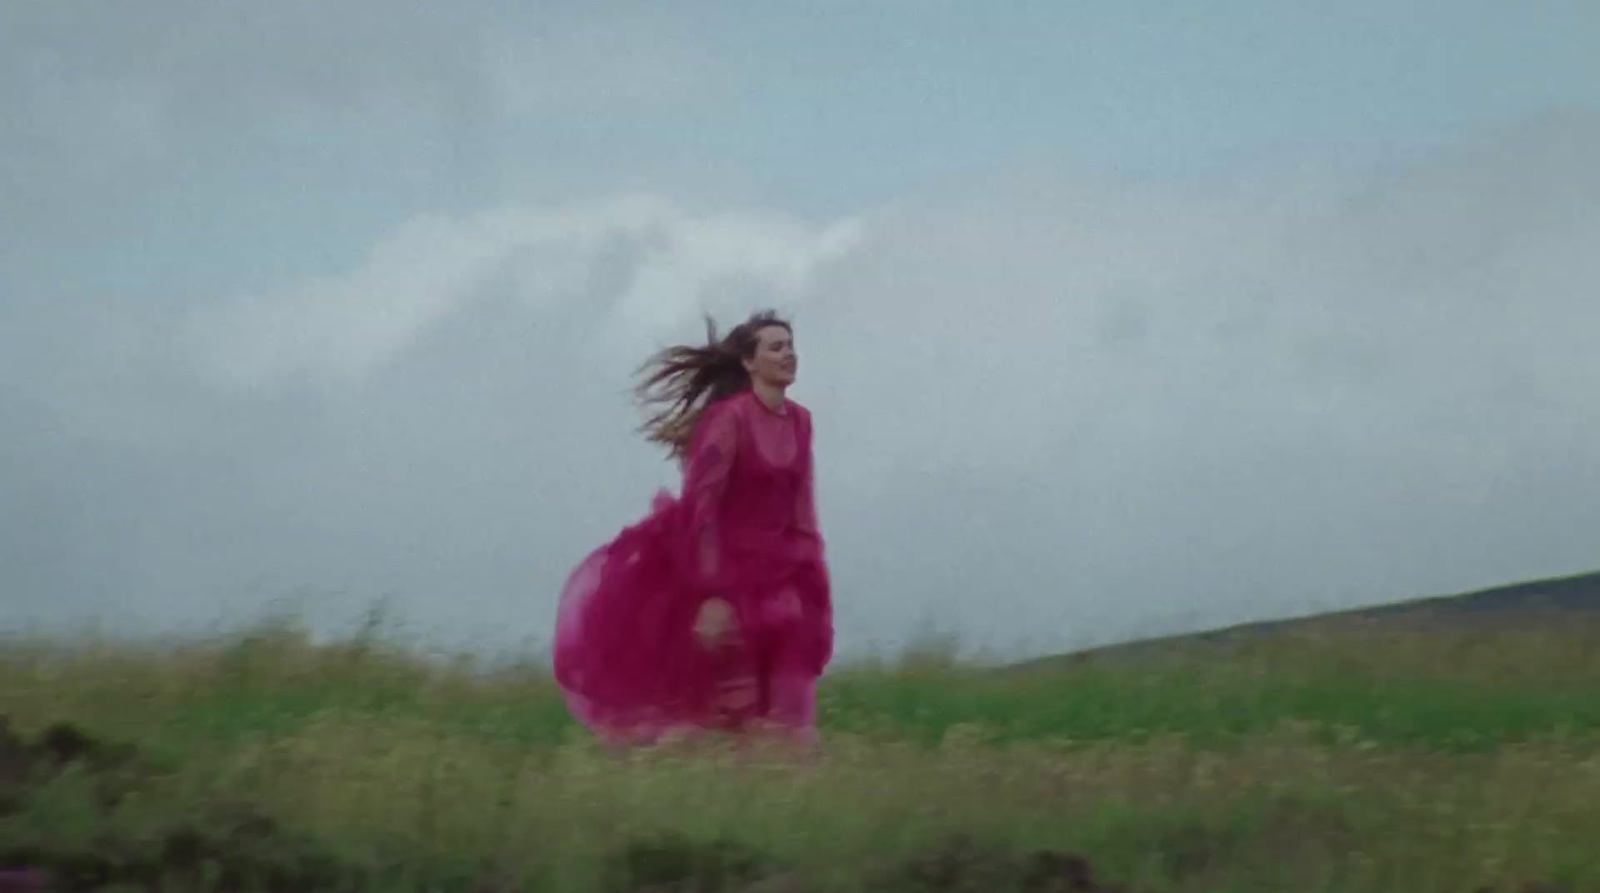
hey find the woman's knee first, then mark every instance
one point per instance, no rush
(793, 698)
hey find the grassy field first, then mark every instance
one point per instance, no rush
(1382, 757)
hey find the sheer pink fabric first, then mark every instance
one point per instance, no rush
(743, 529)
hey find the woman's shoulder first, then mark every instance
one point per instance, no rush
(721, 413)
(740, 407)
(802, 416)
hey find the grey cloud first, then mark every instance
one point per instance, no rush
(227, 61)
(138, 130)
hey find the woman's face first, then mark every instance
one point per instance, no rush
(774, 362)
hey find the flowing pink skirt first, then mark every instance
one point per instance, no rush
(628, 659)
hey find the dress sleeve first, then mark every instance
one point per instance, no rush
(711, 459)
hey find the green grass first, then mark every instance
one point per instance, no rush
(1384, 757)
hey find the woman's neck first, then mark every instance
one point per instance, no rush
(771, 395)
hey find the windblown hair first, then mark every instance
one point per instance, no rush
(683, 380)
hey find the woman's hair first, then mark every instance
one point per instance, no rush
(683, 380)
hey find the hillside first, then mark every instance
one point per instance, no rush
(1509, 604)
(1428, 757)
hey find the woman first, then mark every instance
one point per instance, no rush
(714, 611)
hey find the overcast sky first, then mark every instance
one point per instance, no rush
(1114, 321)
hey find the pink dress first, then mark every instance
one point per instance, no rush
(744, 530)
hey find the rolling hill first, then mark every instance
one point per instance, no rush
(1516, 603)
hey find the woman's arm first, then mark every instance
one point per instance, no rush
(711, 458)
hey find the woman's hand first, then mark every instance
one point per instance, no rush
(714, 624)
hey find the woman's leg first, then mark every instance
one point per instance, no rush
(790, 689)
(792, 702)
(788, 692)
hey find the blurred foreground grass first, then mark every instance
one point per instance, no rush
(1387, 757)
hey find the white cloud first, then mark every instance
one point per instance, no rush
(344, 329)
(1241, 401)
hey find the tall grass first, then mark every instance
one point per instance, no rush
(1392, 757)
